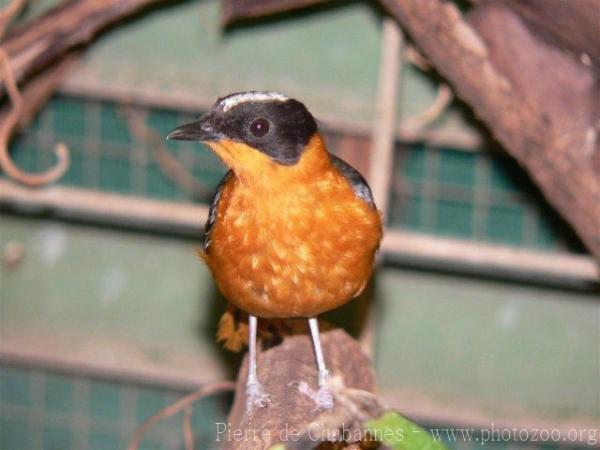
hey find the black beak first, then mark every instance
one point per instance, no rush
(202, 130)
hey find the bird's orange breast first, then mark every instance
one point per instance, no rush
(295, 243)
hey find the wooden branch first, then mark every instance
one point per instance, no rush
(572, 25)
(232, 10)
(37, 43)
(183, 404)
(537, 100)
(290, 414)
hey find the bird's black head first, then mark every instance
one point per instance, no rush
(273, 124)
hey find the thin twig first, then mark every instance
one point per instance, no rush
(11, 121)
(167, 163)
(40, 88)
(8, 126)
(188, 433)
(418, 123)
(8, 13)
(416, 58)
(422, 120)
(174, 408)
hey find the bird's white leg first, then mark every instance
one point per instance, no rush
(323, 396)
(255, 394)
(314, 332)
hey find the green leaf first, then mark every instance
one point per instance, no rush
(399, 433)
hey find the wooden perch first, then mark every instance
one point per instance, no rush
(289, 416)
(539, 102)
(290, 421)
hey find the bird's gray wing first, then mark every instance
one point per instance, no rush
(358, 183)
(212, 212)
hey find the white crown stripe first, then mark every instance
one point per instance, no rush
(229, 102)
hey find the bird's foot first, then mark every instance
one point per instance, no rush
(256, 397)
(323, 397)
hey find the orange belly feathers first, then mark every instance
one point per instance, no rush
(293, 242)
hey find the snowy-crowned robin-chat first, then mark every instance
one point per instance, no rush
(292, 230)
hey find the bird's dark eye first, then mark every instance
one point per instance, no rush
(259, 127)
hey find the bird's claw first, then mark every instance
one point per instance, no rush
(323, 400)
(323, 397)
(256, 396)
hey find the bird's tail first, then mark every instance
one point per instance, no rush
(233, 329)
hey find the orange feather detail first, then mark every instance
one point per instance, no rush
(290, 241)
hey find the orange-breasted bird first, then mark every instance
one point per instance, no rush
(292, 230)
